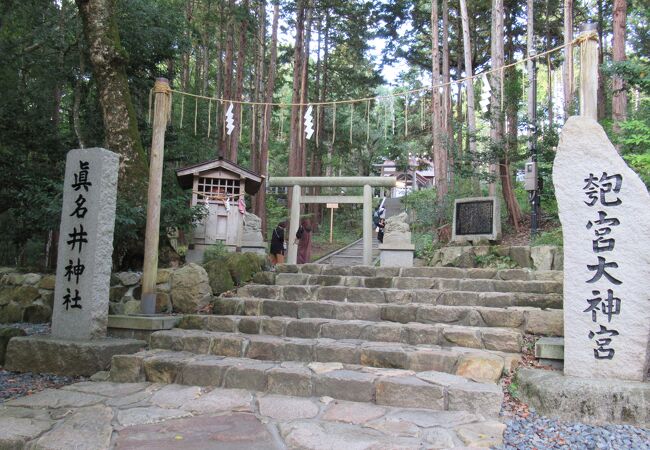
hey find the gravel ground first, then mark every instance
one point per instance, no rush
(528, 430)
(14, 384)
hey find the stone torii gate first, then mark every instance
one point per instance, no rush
(298, 182)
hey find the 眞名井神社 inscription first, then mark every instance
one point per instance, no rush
(80, 309)
(604, 208)
(77, 237)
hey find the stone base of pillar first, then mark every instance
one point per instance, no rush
(140, 327)
(396, 255)
(68, 357)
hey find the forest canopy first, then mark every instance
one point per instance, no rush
(57, 96)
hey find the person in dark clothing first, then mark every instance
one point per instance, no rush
(380, 233)
(277, 244)
(303, 235)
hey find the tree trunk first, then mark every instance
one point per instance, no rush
(295, 164)
(76, 105)
(460, 119)
(549, 67)
(530, 49)
(266, 128)
(108, 66)
(568, 57)
(619, 95)
(496, 113)
(257, 88)
(239, 86)
(446, 90)
(304, 90)
(439, 151)
(224, 148)
(467, 45)
(600, 102)
(511, 102)
(185, 57)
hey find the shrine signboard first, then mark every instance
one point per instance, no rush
(476, 218)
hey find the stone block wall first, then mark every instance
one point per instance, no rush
(28, 297)
(543, 257)
(25, 297)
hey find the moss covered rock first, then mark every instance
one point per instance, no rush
(23, 295)
(219, 276)
(11, 313)
(243, 266)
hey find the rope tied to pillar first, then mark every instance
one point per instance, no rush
(584, 37)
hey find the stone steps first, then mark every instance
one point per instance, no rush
(452, 360)
(529, 320)
(392, 387)
(401, 296)
(402, 282)
(423, 272)
(499, 339)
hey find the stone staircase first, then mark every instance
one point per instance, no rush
(433, 338)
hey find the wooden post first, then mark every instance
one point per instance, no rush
(294, 223)
(367, 225)
(150, 267)
(331, 223)
(588, 71)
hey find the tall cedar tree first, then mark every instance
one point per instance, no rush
(107, 58)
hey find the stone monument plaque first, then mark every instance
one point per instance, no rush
(604, 208)
(476, 218)
(83, 270)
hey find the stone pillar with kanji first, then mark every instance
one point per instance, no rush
(83, 271)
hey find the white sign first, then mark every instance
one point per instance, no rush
(333, 205)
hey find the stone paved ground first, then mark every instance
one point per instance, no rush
(99, 415)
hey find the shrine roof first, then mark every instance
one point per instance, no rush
(185, 175)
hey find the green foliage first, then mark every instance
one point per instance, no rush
(513, 389)
(426, 244)
(552, 237)
(275, 213)
(219, 276)
(243, 266)
(493, 260)
(216, 252)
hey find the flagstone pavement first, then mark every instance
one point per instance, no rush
(104, 415)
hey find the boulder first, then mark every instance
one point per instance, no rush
(190, 288)
(129, 278)
(219, 277)
(6, 333)
(37, 313)
(163, 276)
(47, 282)
(23, 295)
(521, 255)
(11, 313)
(242, 266)
(543, 257)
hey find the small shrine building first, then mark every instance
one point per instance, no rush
(220, 185)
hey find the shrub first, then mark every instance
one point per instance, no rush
(552, 237)
(215, 252)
